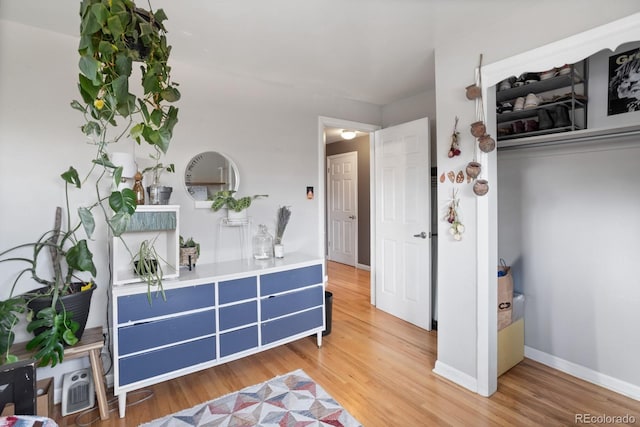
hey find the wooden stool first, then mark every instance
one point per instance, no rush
(90, 345)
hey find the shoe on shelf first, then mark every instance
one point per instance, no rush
(530, 126)
(517, 126)
(507, 83)
(532, 101)
(564, 70)
(505, 107)
(562, 116)
(544, 119)
(519, 104)
(548, 74)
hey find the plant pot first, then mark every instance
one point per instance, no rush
(234, 217)
(159, 194)
(481, 187)
(473, 92)
(188, 256)
(478, 129)
(473, 169)
(77, 303)
(486, 144)
(145, 268)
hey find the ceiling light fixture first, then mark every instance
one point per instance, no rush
(348, 134)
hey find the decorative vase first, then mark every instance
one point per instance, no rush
(78, 303)
(481, 187)
(262, 244)
(478, 129)
(278, 250)
(473, 169)
(486, 143)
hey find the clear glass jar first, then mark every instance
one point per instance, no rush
(262, 243)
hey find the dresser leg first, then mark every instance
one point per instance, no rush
(122, 404)
(319, 338)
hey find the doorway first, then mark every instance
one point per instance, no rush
(342, 207)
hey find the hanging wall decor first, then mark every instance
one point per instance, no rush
(454, 150)
(452, 217)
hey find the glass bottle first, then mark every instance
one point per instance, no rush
(138, 189)
(262, 243)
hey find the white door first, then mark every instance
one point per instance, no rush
(342, 178)
(403, 216)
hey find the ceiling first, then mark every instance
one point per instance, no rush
(376, 51)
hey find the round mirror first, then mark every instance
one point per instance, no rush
(209, 172)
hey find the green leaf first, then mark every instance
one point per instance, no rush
(71, 177)
(69, 337)
(160, 16)
(107, 50)
(88, 90)
(89, 24)
(136, 131)
(10, 358)
(89, 67)
(123, 64)
(171, 119)
(123, 201)
(119, 223)
(80, 258)
(117, 176)
(77, 106)
(156, 117)
(115, 26)
(218, 204)
(90, 128)
(170, 94)
(101, 13)
(121, 90)
(87, 220)
(146, 29)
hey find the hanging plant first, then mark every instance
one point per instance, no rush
(452, 217)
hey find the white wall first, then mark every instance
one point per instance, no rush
(457, 52)
(270, 132)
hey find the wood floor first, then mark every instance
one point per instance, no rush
(380, 369)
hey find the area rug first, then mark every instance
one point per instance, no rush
(290, 400)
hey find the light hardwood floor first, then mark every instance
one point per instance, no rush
(380, 369)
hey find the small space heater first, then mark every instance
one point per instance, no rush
(78, 391)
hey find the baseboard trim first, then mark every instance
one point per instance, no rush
(586, 374)
(456, 376)
(363, 267)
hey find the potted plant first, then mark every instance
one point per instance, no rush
(113, 35)
(147, 263)
(236, 207)
(158, 194)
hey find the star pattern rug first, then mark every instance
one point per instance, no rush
(290, 400)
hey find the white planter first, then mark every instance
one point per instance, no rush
(234, 217)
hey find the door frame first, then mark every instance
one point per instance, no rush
(331, 122)
(355, 234)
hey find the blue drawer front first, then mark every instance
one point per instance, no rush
(280, 305)
(237, 290)
(158, 362)
(237, 315)
(162, 332)
(237, 341)
(292, 279)
(136, 307)
(287, 326)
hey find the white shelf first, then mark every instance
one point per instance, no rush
(163, 229)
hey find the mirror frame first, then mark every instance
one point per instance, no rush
(198, 160)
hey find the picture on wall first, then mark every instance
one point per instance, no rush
(624, 82)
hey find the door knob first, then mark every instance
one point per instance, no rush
(352, 217)
(422, 235)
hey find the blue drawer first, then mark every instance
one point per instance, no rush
(287, 280)
(285, 327)
(148, 335)
(237, 341)
(233, 316)
(136, 307)
(280, 305)
(237, 290)
(158, 362)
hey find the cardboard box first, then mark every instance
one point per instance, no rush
(44, 389)
(510, 346)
